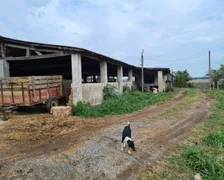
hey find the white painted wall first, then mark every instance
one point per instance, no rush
(93, 93)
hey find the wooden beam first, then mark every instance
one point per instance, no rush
(28, 52)
(2, 50)
(32, 48)
(45, 56)
(107, 60)
(38, 53)
(16, 46)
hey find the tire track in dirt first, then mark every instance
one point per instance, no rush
(99, 157)
(159, 145)
(61, 143)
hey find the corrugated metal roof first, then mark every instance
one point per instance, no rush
(73, 49)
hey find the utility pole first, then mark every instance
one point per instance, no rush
(209, 70)
(142, 60)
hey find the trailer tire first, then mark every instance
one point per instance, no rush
(51, 102)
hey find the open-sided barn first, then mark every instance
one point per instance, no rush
(84, 72)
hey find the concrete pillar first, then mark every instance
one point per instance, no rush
(103, 72)
(119, 78)
(130, 76)
(76, 77)
(4, 69)
(160, 81)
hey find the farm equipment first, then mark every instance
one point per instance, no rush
(20, 92)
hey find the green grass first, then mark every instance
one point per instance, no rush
(125, 103)
(202, 153)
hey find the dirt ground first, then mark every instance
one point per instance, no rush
(43, 147)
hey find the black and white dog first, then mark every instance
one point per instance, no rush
(126, 139)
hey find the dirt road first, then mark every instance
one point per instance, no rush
(93, 152)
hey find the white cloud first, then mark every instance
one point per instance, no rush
(171, 31)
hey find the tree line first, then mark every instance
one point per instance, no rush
(182, 78)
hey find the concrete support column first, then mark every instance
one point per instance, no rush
(76, 77)
(103, 72)
(119, 78)
(4, 69)
(130, 76)
(160, 81)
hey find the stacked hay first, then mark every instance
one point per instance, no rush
(61, 110)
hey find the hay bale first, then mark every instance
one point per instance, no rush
(61, 110)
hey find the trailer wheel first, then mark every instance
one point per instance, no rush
(51, 102)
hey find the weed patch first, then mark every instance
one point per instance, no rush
(202, 153)
(125, 103)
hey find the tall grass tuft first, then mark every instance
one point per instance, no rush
(120, 104)
(205, 157)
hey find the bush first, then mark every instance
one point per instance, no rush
(190, 85)
(125, 103)
(80, 108)
(126, 89)
(169, 88)
(110, 91)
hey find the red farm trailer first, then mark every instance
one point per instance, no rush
(19, 92)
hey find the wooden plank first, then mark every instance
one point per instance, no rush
(29, 96)
(16, 46)
(8, 86)
(57, 92)
(31, 48)
(2, 50)
(45, 50)
(61, 93)
(33, 88)
(12, 93)
(2, 94)
(18, 79)
(45, 56)
(28, 52)
(49, 77)
(17, 95)
(48, 92)
(38, 53)
(49, 81)
(23, 93)
(44, 86)
(40, 94)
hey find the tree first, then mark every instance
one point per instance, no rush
(182, 78)
(217, 74)
(222, 70)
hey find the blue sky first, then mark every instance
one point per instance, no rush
(174, 33)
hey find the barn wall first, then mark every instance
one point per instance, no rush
(93, 93)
